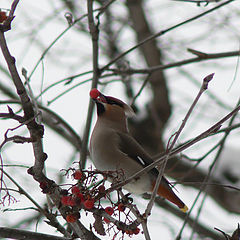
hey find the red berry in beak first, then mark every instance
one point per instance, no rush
(94, 93)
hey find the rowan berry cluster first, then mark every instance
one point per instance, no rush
(86, 192)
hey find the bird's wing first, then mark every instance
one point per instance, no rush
(129, 146)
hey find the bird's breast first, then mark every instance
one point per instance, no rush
(106, 156)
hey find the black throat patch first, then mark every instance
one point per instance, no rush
(100, 108)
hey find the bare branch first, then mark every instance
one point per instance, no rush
(12, 115)
(36, 132)
(201, 57)
(160, 33)
(22, 234)
(93, 27)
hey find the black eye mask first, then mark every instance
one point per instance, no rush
(112, 100)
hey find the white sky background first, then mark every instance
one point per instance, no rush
(72, 55)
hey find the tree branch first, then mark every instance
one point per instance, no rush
(162, 32)
(199, 58)
(93, 27)
(22, 234)
(36, 133)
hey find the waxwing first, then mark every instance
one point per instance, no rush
(112, 149)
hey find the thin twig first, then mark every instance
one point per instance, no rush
(53, 43)
(31, 95)
(12, 115)
(104, 7)
(204, 86)
(141, 89)
(67, 79)
(22, 191)
(140, 218)
(209, 184)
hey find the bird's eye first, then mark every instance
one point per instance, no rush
(101, 98)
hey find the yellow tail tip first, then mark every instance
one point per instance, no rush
(184, 209)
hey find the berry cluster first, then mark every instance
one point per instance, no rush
(87, 194)
(79, 196)
(120, 207)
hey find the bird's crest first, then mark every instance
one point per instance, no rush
(98, 96)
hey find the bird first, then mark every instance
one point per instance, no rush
(112, 148)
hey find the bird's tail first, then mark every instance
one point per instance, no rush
(166, 191)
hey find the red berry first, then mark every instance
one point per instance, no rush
(80, 197)
(136, 231)
(68, 201)
(121, 207)
(65, 199)
(77, 175)
(94, 93)
(89, 203)
(106, 220)
(71, 218)
(71, 202)
(3, 16)
(75, 190)
(109, 210)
